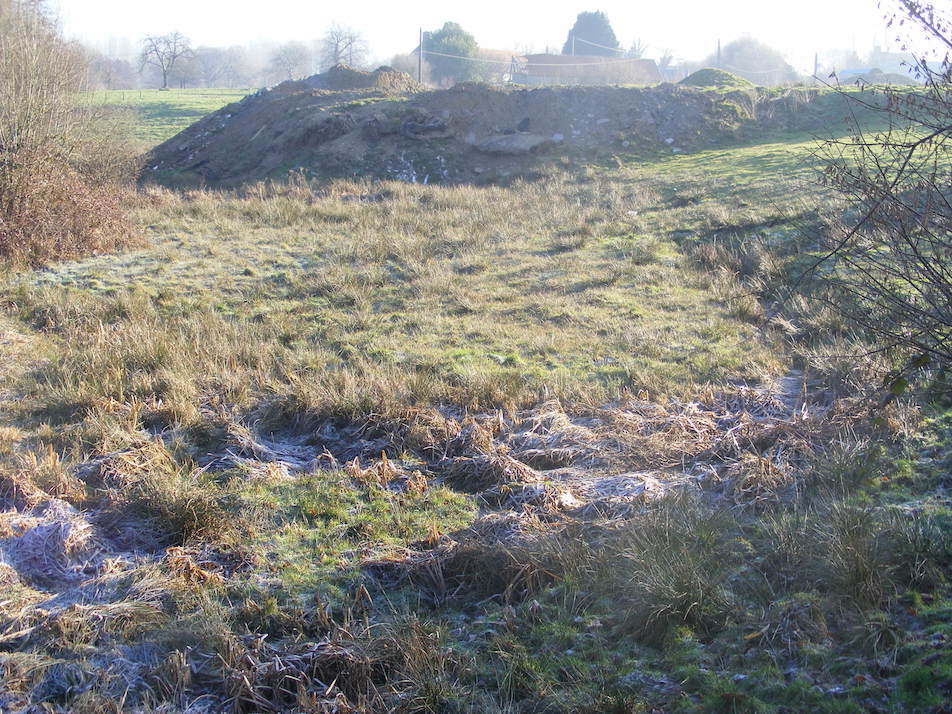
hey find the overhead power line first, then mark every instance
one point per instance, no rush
(595, 44)
(467, 59)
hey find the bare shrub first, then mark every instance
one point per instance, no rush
(147, 483)
(59, 193)
(885, 261)
(49, 211)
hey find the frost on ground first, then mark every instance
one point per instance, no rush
(537, 466)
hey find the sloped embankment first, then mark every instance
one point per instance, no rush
(380, 125)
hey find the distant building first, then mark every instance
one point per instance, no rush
(575, 69)
(892, 62)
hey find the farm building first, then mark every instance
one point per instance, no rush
(574, 69)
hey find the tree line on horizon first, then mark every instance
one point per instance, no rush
(451, 55)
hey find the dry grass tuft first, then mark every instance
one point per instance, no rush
(672, 566)
(320, 677)
(378, 474)
(505, 557)
(482, 471)
(862, 556)
(790, 623)
(147, 483)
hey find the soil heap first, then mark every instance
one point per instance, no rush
(381, 124)
(341, 77)
(710, 77)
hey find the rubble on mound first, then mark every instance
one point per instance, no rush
(381, 124)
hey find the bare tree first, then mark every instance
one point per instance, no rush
(40, 75)
(886, 264)
(290, 61)
(342, 45)
(108, 72)
(163, 52)
(209, 65)
(637, 50)
(216, 67)
(57, 156)
(235, 70)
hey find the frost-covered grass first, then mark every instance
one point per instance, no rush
(157, 392)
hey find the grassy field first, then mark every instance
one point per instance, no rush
(156, 115)
(550, 447)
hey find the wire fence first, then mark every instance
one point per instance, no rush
(595, 44)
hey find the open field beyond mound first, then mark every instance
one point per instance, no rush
(155, 115)
(549, 444)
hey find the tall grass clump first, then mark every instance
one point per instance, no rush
(60, 169)
(673, 566)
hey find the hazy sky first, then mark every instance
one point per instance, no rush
(690, 28)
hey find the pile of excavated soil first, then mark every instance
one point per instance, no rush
(383, 78)
(710, 77)
(341, 78)
(471, 133)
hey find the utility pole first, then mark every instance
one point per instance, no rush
(573, 44)
(419, 71)
(816, 64)
(718, 53)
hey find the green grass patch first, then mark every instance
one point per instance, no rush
(321, 526)
(157, 115)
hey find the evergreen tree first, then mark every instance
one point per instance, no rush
(593, 35)
(451, 39)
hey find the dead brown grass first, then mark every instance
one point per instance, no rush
(149, 484)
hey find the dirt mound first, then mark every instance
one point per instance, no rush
(343, 78)
(385, 78)
(471, 133)
(710, 77)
